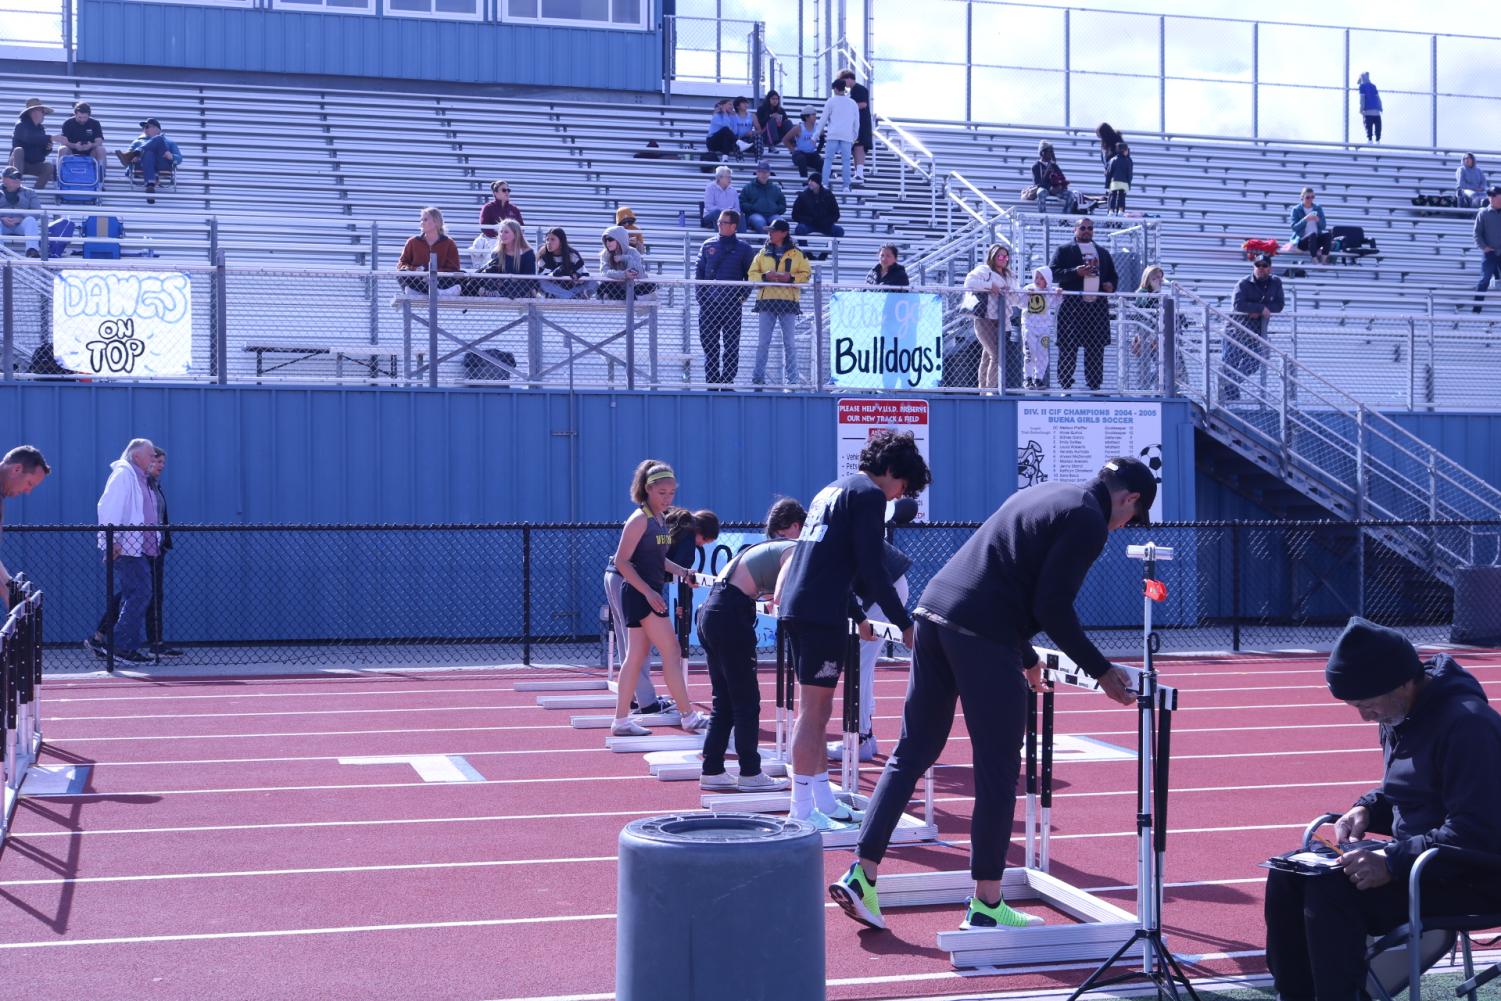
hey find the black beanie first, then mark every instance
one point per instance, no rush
(1370, 660)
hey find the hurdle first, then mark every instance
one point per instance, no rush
(20, 710)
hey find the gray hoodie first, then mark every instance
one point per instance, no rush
(1469, 178)
(614, 266)
(1488, 229)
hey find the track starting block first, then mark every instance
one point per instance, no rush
(663, 742)
(566, 685)
(601, 722)
(687, 766)
(602, 701)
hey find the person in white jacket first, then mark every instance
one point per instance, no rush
(995, 289)
(1039, 322)
(841, 118)
(128, 500)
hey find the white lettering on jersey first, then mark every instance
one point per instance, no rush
(815, 528)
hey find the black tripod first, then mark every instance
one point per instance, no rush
(1154, 715)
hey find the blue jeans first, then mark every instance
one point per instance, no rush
(153, 158)
(757, 223)
(769, 321)
(836, 149)
(133, 581)
(1490, 267)
(803, 229)
(563, 290)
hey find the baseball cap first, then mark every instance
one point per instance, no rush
(1495, 190)
(11, 174)
(152, 122)
(1137, 479)
(763, 165)
(1264, 261)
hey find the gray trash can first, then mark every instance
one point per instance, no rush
(720, 907)
(1477, 606)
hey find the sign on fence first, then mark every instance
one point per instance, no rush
(712, 559)
(886, 340)
(858, 418)
(1070, 441)
(123, 323)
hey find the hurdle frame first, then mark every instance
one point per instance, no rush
(20, 684)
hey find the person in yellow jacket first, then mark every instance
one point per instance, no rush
(782, 266)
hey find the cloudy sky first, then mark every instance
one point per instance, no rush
(1018, 55)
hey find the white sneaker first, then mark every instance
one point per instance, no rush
(824, 822)
(868, 748)
(760, 782)
(723, 782)
(694, 721)
(626, 728)
(846, 814)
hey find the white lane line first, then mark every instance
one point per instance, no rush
(341, 757)
(292, 712)
(55, 700)
(318, 871)
(53, 738)
(371, 785)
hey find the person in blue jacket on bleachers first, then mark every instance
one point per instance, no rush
(155, 152)
(1370, 108)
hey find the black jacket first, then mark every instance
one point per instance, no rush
(570, 265)
(1020, 573)
(818, 209)
(33, 138)
(895, 278)
(1252, 296)
(161, 511)
(1069, 256)
(1441, 785)
(1119, 169)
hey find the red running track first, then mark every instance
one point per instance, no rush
(222, 851)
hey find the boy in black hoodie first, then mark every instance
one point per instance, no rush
(1440, 741)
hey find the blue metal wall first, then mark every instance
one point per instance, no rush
(273, 41)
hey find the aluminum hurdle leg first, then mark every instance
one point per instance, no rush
(849, 767)
(1029, 823)
(1045, 817)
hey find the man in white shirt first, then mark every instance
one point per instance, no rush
(128, 500)
(841, 117)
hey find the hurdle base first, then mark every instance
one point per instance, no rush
(909, 829)
(602, 701)
(601, 722)
(579, 685)
(642, 745)
(687, 766)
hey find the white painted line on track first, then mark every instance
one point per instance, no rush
(317, 871)
(291, 712)
(387, 692)
(53, 738)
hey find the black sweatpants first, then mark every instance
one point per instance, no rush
(1082, 325)
(727, 632)
(987, 678)
(1317, 927)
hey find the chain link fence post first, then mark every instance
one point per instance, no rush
(526, 594)
(8, 320)
(220, 287)
(432, 321)
(109, 597)
(1235, 587)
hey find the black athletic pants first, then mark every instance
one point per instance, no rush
(987, 678)
(727, 632)
(1082, 325)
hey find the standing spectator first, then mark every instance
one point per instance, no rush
(497, 208)
(865, 135)
(721, 134)
(431, 242)
(994, 287)
(1110, 140)
(816, 210)
(840, 118)
(21, 471)
(128, 500)
(1052, 185)
(722, 258)
(1370, 108)
(619, 262)
(155, 151)
(1039, 327)
(779, 263)
(1118, 174)
(888, 273)
(1310, 228)
(1488, 241)
(772, 119)
(514, 256)
(626, 216)
(83, 136)
(762, 200)
(17, 198)
(1083, 320)
(802, 141)
(564, 268)
(30, 144)
(719, 197)
(1257, 297)
(1469, 184)
(98, 642)
(1146, 346)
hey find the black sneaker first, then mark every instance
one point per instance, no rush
(167, 651)
(96, 647)
(134, 657)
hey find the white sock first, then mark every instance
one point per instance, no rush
(823, 795)
(802, 797)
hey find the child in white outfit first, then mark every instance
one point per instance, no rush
(1039, 320)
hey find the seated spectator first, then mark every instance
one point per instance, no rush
(1469, 181)
(721, 135)
(427, 245)
(155, 153)
(802, 141)
(619, 262)
(513, 256)
(781, 263)
(497, 208)
(816, 210)
(745, 125)
(564, 267)
(30, 144)
(1310, 228)
(83, 136)
(16, 198)
(719, 197)
(772, 120)
(887, 272)
(624, 216)
(1052, 185)
(762, 200)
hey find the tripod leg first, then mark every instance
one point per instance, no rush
(1175, 971)
(1099, 974)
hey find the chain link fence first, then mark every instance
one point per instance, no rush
(247, 597)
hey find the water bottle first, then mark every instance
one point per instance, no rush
(682, 218)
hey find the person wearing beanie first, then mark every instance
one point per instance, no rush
(1440, 740)
(1018, 575)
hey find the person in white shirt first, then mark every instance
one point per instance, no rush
(996, 288)
(841, 119)
(1039, 320)
(127, 500)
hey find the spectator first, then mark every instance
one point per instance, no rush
(1083, 320)
(1109, 141)
(497, 208)
(1257, 297)
(780, 262)
(1469, 184)
(841, 120)
(719, 197)
(1488, 241)
(83, 136)
(1052, 185)
(431, 243)
(30, 144)
(624, 216)
(721, 135)
(128, 500)
(722, 258)
(1370, 108)
(772, 119)
(994, 290)
(865, 134)
(15, 197)
(745, 125)
(513, 256)
(22, 470)
(1310, 228)
(762, 200)
(567, 277)
(98, 642)
(1146, 339)
(1039, 326)
(1118, 175)
(816, 210)
(620, 263)
(887, 272)
(802, 142)
(155, 152)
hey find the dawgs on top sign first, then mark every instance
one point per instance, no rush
(886, 340)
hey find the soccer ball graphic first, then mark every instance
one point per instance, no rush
(1152, 456)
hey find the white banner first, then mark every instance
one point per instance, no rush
(123, 323)
(858, 418)
(886, 340)
(1070, 441)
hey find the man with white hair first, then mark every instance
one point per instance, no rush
(129, 500)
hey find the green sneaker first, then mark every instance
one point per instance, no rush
(983, 915)
(845, 813)
(856, 895)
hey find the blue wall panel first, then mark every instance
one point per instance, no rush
(271, 41)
